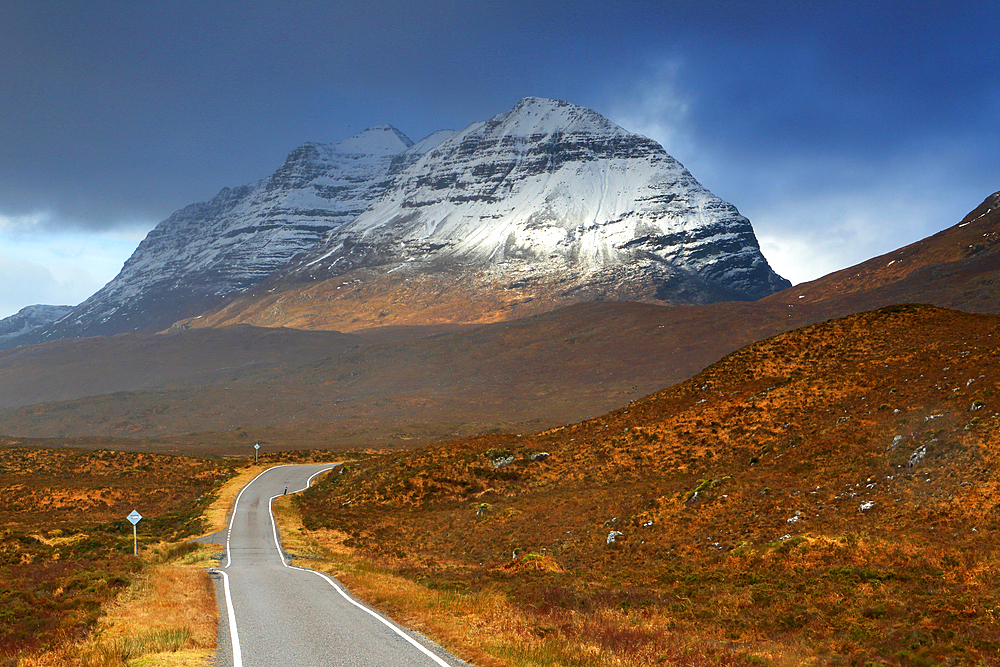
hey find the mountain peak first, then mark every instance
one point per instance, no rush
(548, 194)
(378, 140)
(533, 116)
(28, 319)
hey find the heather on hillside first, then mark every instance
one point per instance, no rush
(66, 547)
(830, 492)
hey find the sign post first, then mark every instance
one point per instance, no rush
(256, 449)
(135, 518)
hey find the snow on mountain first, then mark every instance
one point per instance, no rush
(29, 319)
(548, 192)
(554, 189)
(204, 251)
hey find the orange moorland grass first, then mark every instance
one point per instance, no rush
(66, 553)
(216, 515)
(166, 616)
(830, 495)
(488, 627)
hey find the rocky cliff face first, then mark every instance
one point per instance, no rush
(549, 203)
(551, 191)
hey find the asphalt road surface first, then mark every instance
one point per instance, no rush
(272, 614)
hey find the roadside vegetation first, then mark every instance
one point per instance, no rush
(71, 590)
(829, 496)
(72, 594)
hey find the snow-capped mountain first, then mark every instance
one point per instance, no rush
(29, 319)
(201, 253)
(554, 189)
(548, 199)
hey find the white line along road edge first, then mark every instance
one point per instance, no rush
(236, 503)
(381, 619)
(233, 632)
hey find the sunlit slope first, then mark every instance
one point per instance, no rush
(833, 487)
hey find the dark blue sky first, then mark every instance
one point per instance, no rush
(842, 131)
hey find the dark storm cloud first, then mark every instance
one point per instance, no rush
(118, 110)
(115, 114)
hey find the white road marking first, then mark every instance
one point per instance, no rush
(274, 525)
(234, 635)
(233, 632)
(382, 620)
(375, 615)
(310, 480)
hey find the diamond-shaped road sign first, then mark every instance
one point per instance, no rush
(134, 517)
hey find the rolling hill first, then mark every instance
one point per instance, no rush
(408, 385)
(826, 496)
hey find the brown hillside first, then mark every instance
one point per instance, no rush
(958, 268)
(548, 369)
(828, 496)
(69, 369)
(397, 384)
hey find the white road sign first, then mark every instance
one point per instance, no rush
(134, 517)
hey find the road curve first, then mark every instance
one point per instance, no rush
(272, 614)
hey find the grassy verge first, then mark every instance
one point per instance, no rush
(216, 516)
(166, 616)
(71, 590)
(485, 626)
(826, 497)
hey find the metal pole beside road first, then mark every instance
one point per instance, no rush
(135, 518)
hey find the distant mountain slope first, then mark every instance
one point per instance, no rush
(959, 267)
(545, 205)
(547, 369)
(559, 366)
(28, 319)
(71, 369)
(201, 253)
(549, 202)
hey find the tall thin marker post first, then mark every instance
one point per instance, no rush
(256, 448)
(135, 518)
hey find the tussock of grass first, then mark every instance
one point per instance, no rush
(815, 534)
(166, 616)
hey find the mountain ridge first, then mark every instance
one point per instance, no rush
(548, 191)
(202, 252)
(577, 360)
(547, 204)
